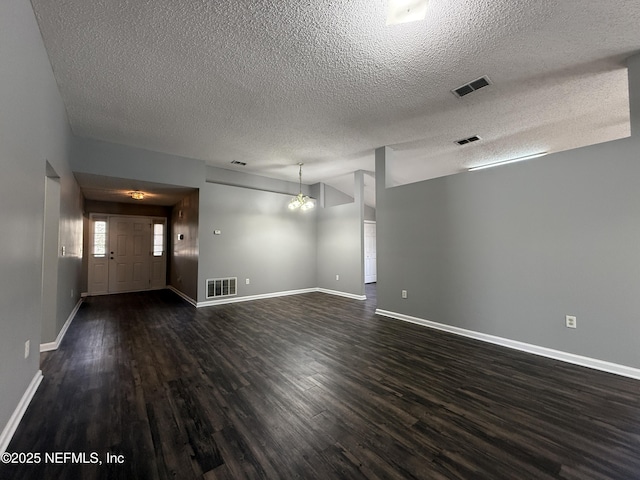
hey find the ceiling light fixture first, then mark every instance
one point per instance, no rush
(137, 195)
(303, 202)
(404, 11)
(505, 162)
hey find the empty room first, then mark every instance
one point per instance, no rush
(334, 240)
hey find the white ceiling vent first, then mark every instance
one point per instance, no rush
(221, 287)
(471, 87)
(464, 141)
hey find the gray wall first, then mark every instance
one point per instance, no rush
(334, 197)
(183, 258)
(256, 182)
(261, 239)
(120, 161)
(34, 129)
(340, 241)
(369, 213)
(510, 251)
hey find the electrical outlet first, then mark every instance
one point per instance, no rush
(247, 281)
(337, 277)
(72, 293)
(64, 250)
(404, 294)
(571, 321)
(27, 347)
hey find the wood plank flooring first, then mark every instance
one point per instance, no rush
(313, 386)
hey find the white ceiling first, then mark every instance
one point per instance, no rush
(325, 82)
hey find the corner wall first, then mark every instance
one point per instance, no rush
(260, 239)
(510, 251)
(341, 242)
(183, 245)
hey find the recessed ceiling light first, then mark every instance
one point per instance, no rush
(404, 11)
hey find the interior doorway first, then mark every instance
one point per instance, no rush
(370, 269)
(127, 254)
(50, 253)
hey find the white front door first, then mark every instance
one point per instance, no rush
(130, 249)
(126, 254)
(370, 272)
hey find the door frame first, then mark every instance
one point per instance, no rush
(364, 251)
(90, 258)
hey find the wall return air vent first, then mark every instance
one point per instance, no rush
(221, 287)
(471, 87)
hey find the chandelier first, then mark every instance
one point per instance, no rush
(303, 202)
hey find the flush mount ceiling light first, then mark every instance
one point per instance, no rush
(137, 195)
(303, 202)
(505, 162)
(404, 11)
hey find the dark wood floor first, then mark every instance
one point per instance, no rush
(314, 386)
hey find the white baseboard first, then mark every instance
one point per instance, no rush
(594, 363)
(46, 347)
(183, 295)
(16, 416)
(342, 294)
(248, 298)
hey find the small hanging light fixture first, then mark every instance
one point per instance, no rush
(303, 202)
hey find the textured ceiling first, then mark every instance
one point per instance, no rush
(325, 82)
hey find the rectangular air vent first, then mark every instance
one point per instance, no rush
(471, 87)
(464, 141)
(221, 287)
(236, 162)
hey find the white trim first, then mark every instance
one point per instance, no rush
(248, 298)
(342, 294)
(16, 416)
(46, 347)
(594, 363)
(182, 295)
